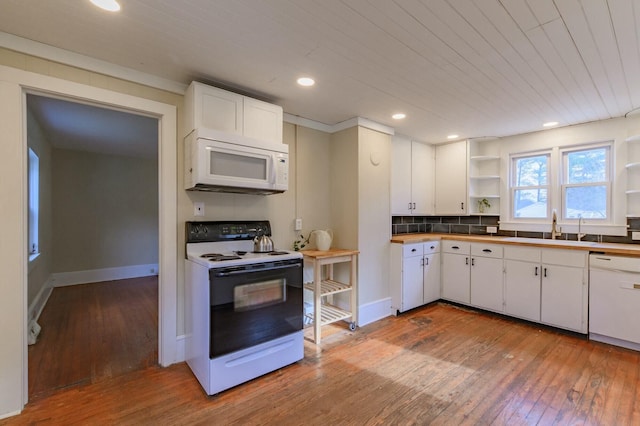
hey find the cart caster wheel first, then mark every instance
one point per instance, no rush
(352, 326)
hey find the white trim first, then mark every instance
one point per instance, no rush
(570, 227)
(343, 125)
(305, 122)
(181, 347)
(41, 50)
(39, 302)
(363, 122)
(62, 279)
(614, 341)
(10, 414)
(374, 311)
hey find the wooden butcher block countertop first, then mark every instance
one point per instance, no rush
(606, 248)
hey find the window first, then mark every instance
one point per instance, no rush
(530, 186)
(586, 183)
(34, 202)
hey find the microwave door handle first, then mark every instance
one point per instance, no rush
(272, 172)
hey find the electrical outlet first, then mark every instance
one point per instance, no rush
(298, 225)
(492, 229)
(198, 209)
(635, 235)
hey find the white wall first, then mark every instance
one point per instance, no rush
(105, 211)
(616, 130)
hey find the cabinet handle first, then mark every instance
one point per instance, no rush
(545, 272)
(487, 251)
(455, 247)
(414, 206)
(432, 247)
(426, 261)
(473, 262)
(409, 206)
(536, 273)
(413, 250)
(466, 260)
(461, 206)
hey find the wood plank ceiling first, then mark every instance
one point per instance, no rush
(471, 67)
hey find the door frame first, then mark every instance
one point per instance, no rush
(14, 84)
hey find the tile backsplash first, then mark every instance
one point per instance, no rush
(477, 225)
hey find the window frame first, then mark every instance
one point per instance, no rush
(513, 188)
(33, 248)
(564, 172)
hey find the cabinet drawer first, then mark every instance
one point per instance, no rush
(431, 247)
(527, 254)
(460, 247)
(411, 250)
(486, 250)
(564, 257)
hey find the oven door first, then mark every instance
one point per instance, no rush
(254, 304)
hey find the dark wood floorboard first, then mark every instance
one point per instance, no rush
(93, 332)
(437, 365)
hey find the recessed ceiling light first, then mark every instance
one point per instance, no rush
(550, 124)
(110, 5)
(306, 81)
(398, 116)
(452, 136)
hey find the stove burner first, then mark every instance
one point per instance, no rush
(218, 257)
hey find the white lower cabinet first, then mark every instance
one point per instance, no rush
(487, 288)
(564, 294)
(456, 271)
(547, 286)
(522, 282)
(415, 274)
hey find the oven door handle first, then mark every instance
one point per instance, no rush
(245, 271)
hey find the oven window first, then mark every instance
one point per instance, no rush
(254, 296)
(234, 165)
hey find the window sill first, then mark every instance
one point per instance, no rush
(572, 228)
(33, 260)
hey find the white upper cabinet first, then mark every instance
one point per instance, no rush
(213, 108)
(412, 177)
(451, 179)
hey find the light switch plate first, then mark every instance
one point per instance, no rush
(298, 225)
(492, 229)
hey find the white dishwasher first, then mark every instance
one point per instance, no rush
(614, 300)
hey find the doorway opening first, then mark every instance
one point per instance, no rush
(93, 273)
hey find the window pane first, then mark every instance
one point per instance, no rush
(589, 202)
(530, 203)
(587, 166)
(531, 171)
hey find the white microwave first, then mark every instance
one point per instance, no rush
(223, 162)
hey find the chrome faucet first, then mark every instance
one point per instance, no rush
(580, 234)
(556, 231)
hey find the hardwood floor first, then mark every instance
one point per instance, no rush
(435, 365)
(93, 332)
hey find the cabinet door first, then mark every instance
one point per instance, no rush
(451, 178)
(218, 109)
(522, 289)
(431, 278)
(412, 275)
(422, 178)
(262, 120)
(455, 277)
(561, 301)
(486, 283)
(401, 176)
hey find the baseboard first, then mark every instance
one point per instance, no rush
(613, 341)
(37, 305)
(374, 311)
(107, 274)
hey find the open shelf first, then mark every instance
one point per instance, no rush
(328, 287)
